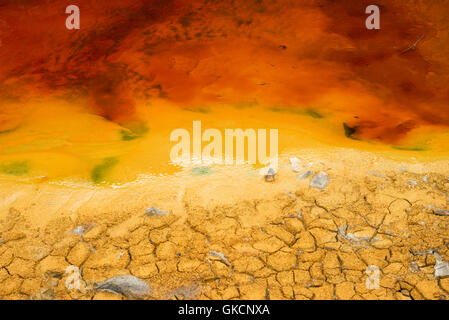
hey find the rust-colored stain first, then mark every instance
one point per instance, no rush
(195, 53)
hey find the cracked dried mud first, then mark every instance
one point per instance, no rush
(242, 239)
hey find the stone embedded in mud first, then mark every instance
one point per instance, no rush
(154, 212)
(344, 234)
(320, 181)
(219, 255)
(295, 163)
(441, 267)
(304, 175)
(412, 184)
(375, 173)
(79, 231)
(441, 212)
(414, 267)
(269, 177)
(128, 286)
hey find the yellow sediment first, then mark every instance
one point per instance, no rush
(270, 252)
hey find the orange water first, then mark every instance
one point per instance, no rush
(98, 104)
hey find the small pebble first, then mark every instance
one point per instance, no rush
(320, 181)
(154, 212)
(304, 175)
(269, 177)
(128, 286)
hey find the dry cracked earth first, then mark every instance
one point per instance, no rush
(303, 243)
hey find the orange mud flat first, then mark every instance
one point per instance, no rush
(198, 238)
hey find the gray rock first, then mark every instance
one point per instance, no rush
(375, 173)
(128, 286)
(220, 256)
(304, 175)
(295, 163)
(270, 176)
(154, 212)
(441, 268)
(412, 184)
(79, 231)
(414, 267)
(441, 212)
(344, 234)
(320, 181)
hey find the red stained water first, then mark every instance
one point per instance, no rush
(275, 54)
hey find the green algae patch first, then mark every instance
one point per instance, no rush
(133, 131)
(203, 110)
(100, 171)
(18, 168)
(128, 135)
(310, 112)
(409, 148)
(9, 130)
(201, 171)
(349, 131)
(314, 114)
(286, 110)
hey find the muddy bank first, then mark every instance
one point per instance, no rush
(234, 236)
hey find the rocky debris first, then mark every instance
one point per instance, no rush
(412, 184)
(154, 212)
(304, 175)
(375, 173)
(320, 181)
(342, 231)
(424, 253)
(425, 179)
(79, 231)
(128, 286)
(269, 177)
(220, 256)
(308, 165)
(414, 267)
(295, 163)
(291, 195)
(441, 212)
(441, 267)
(319, 253)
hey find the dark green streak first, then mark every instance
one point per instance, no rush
(16, 168)
(409, 149)
(101, 170)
